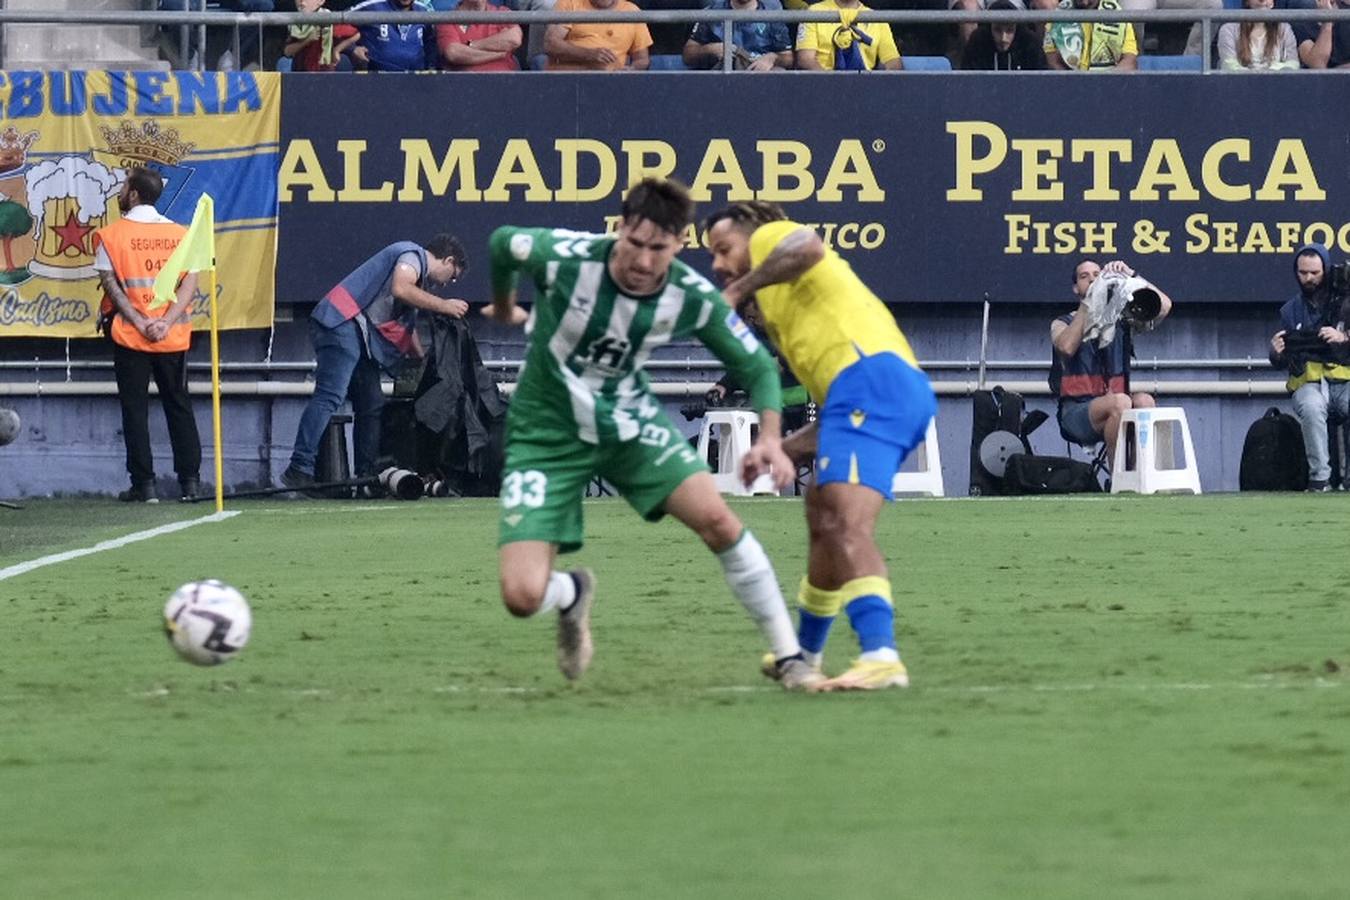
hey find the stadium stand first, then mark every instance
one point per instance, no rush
(926, 64)
(1170, 63)
(668, 62)
(65, 46)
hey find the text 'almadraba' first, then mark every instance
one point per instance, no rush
(587, 171)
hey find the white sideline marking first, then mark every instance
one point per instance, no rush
(1264, 684)
(113, 544)
(1192, 687)
(309, 509)
(976, 689)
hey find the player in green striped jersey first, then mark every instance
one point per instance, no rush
(583, 408)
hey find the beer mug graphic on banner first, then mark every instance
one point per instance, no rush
(69, 199)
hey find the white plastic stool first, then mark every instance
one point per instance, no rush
(732, 429)
(1146, 453)
(927, 478)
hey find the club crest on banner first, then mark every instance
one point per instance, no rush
(65, 160)
(58, 203)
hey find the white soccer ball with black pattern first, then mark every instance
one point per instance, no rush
(207, 622)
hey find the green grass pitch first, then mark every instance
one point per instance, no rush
(1113, 698)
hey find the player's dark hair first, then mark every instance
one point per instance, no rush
(662, 201)
(146, 183)
(749, 214)
(1073, 279)
(447, 246)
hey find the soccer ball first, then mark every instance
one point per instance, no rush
(207, 622)
(9, 426)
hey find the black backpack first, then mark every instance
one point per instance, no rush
(997, 410)
(1273, 455)
(1030, 474)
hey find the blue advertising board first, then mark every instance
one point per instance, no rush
(937, 188)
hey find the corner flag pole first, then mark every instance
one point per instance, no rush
(984, 343)
(215, 390)
(196, 252)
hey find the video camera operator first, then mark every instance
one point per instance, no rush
(725, 392)
(1312, 346)
(364, 325)
(1093, 347)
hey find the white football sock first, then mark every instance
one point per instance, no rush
(560, 594)
(750, 576)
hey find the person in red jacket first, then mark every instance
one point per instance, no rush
(481, 47)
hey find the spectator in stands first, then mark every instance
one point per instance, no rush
(1323, 45)
(966, 30)
(248, 37)
(583, 46)
(1311, 346)
(481, 47)
(1194, 35)
(1003, 46)
(1090, 371)
(1089, 46)
(758, 46)
(319, 48)
(148, 341)
(395, 48)
(926, 39)
(364, 324)
(535, 56)
(1257, 46)
(848, 45)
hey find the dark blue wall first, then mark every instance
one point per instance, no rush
(887, 166)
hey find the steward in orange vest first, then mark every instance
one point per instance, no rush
(148, 342)
(137, 251)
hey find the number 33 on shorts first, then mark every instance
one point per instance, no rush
(524, 488)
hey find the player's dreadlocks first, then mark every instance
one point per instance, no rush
(662, 201)
(749, 214)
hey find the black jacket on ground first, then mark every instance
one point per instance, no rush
(454, 424)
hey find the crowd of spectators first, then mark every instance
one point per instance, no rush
(846, 44)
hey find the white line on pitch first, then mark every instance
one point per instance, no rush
(1077, 688)
(1268, 684)
(53, 559)
(312, 509)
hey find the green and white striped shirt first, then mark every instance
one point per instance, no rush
(588, 340)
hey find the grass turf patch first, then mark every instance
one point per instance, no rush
(42, 527)
(1125, 697)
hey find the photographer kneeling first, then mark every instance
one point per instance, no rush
(1311, 346)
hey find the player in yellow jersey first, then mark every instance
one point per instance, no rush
(875, 404)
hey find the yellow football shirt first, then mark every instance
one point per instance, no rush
(827, 319)
(819, 36)
(1096, 56)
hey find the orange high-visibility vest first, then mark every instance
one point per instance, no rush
(138, 250)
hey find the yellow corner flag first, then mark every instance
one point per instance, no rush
(195, 253)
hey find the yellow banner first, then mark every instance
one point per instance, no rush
(68, 140)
